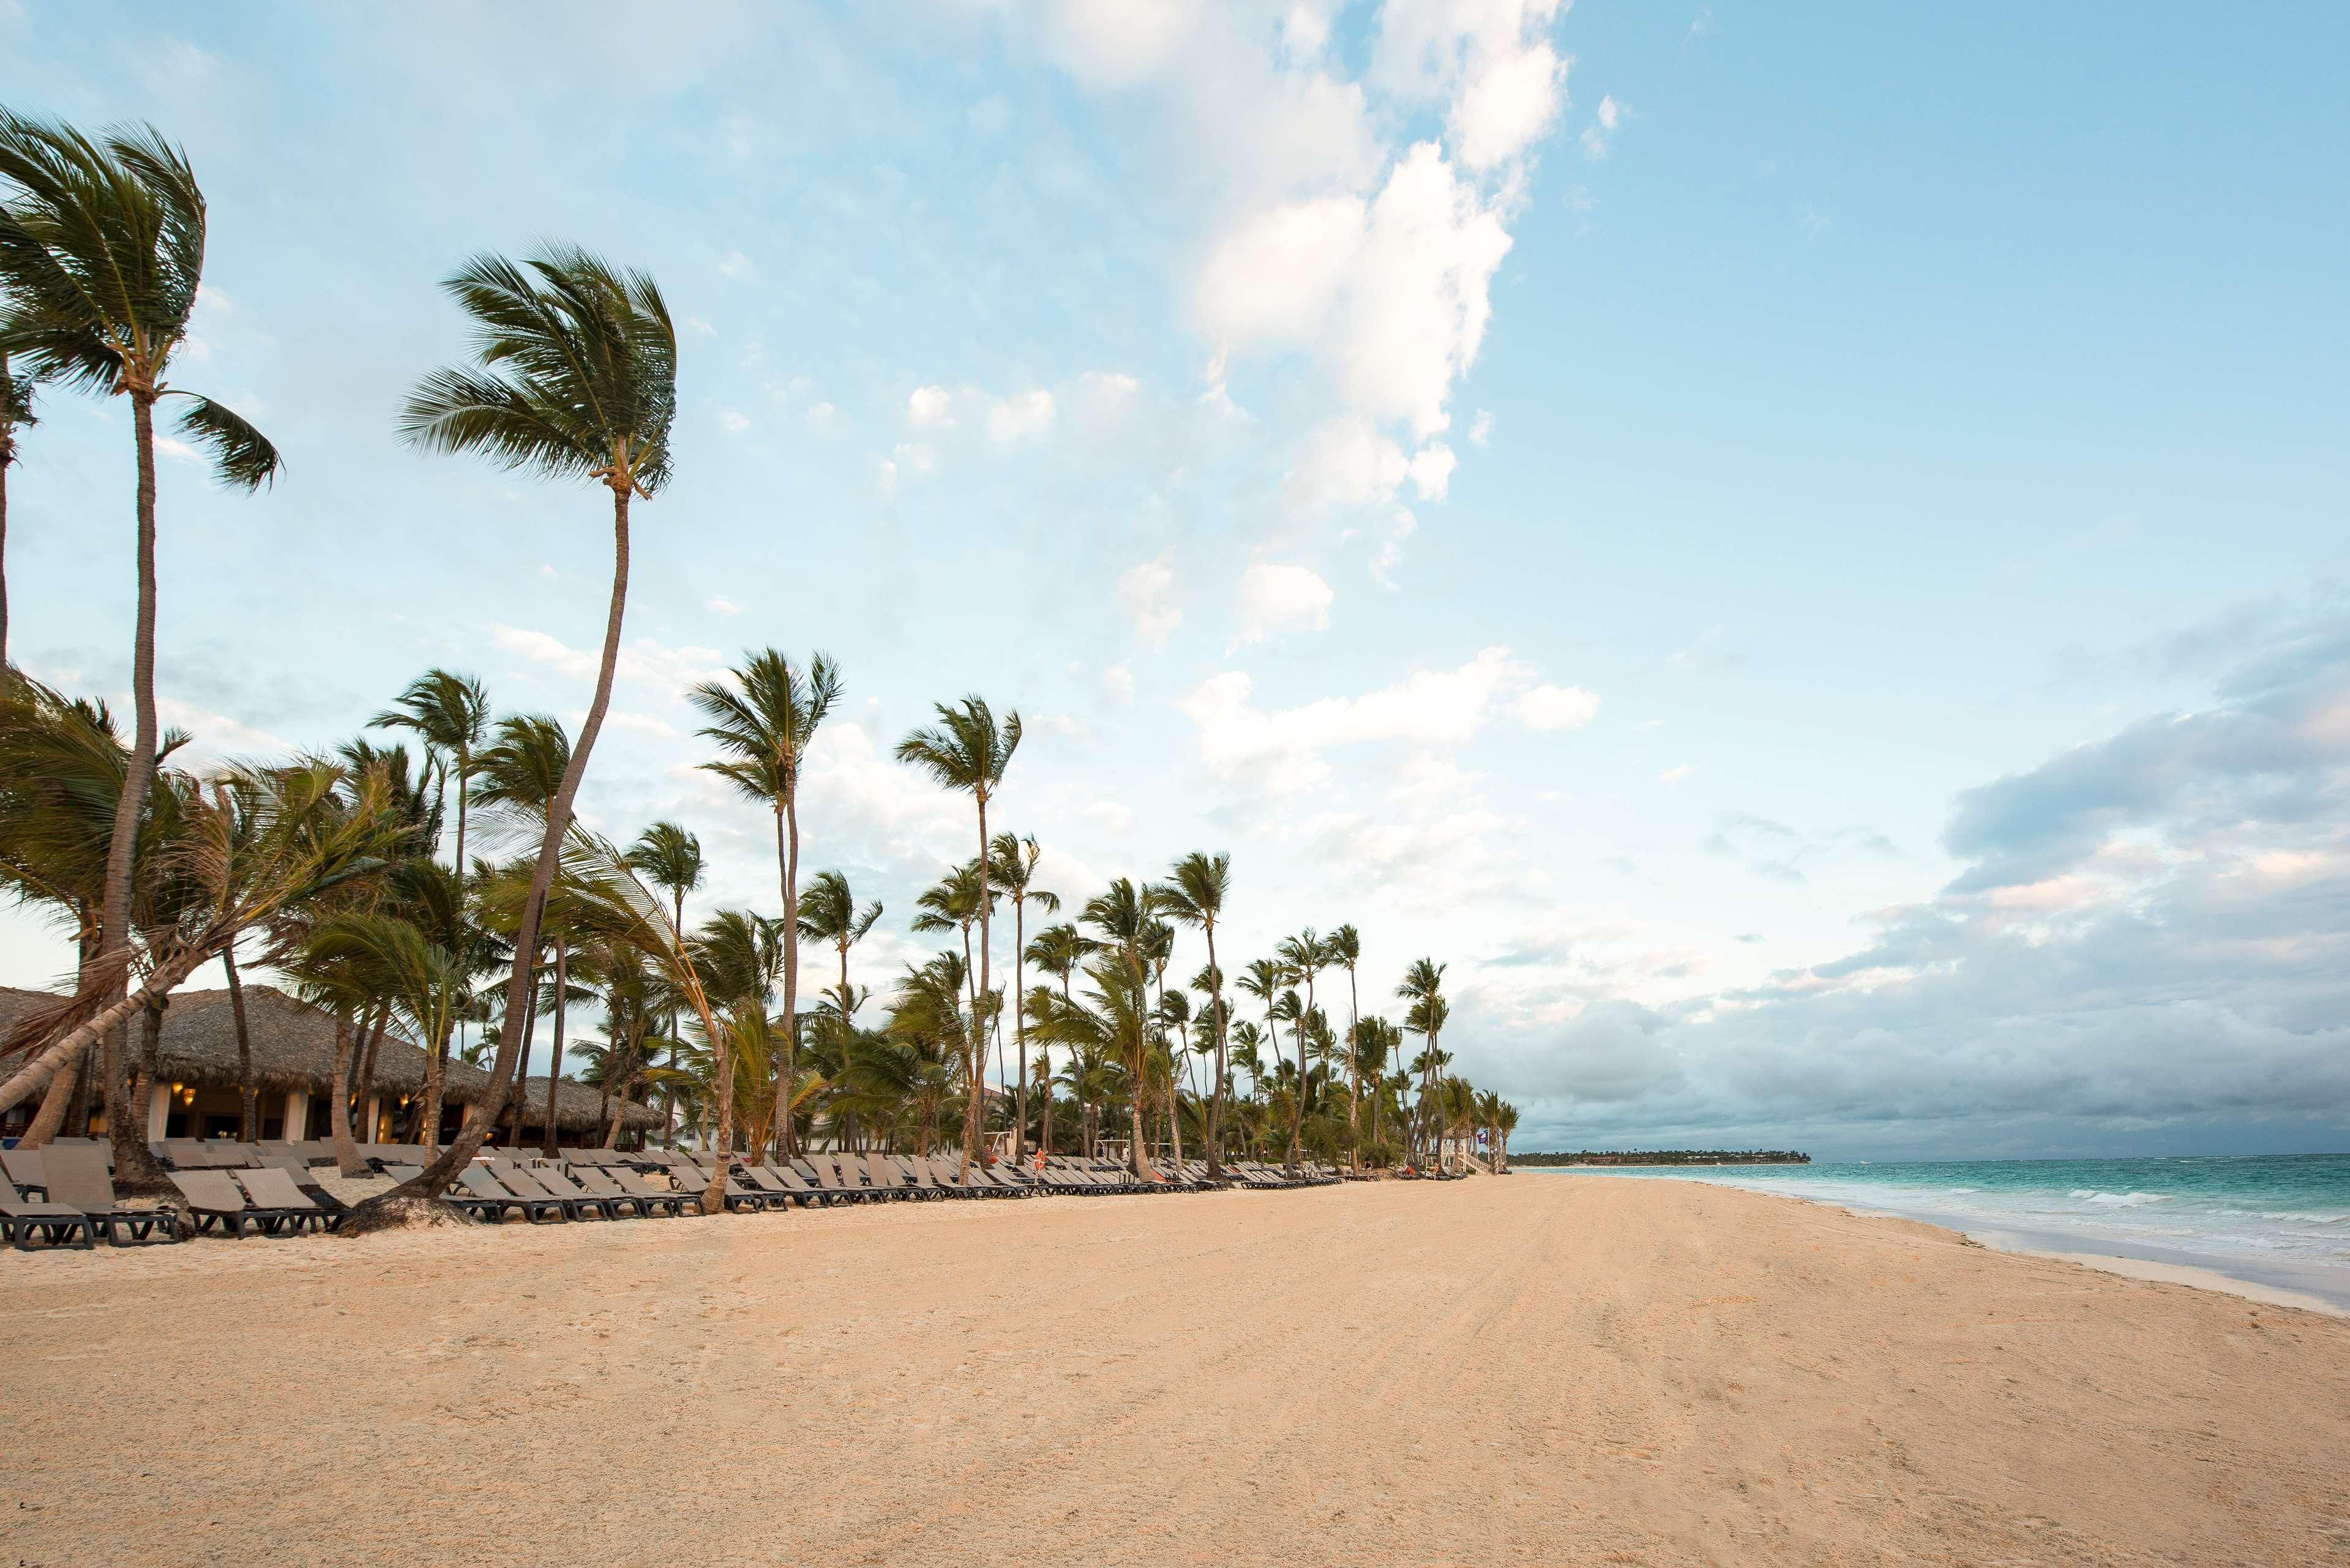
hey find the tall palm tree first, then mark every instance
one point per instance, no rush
(1423, 987)
(967, 750)
(1015, 868)
(1128, 918)
(764, 722)
(1345, 947)
(101, 253)
(1195, 893)
(829, 915)
(15, 414)
(576, 379)
(450, 713)
(1306, 955)
(523, 768)
(670, 858)
(1266, 979)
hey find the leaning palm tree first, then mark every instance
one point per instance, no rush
(1015, 867)
(576, 379)
(829, 915)
(101, 253)
(764, 722)
(967, 750)
(1195, 893)
(15, 414)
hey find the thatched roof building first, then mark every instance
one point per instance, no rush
(294, 1055)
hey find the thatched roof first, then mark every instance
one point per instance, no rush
(293, 1048)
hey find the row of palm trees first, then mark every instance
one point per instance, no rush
(330, 865)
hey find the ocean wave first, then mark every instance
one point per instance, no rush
(2118, 1200)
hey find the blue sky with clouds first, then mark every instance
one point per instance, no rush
(1799, 551)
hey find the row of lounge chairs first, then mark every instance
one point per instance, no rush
(63, 1194)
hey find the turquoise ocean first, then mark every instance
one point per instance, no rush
(2276, 1219)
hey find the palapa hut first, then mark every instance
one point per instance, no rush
(194, 1091)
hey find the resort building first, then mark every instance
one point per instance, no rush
(192, 1091)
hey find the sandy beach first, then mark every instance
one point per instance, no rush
(1536, 1370)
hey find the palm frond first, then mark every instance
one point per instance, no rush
(241, 455)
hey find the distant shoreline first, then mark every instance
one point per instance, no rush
(1597, 1159)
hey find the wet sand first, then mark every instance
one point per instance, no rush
(1537, 1369)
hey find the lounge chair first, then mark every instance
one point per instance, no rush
(481, 1183)
(884, 1175)
(915, 1176)
(271, 1187)
(23, 1166)
(493, 1209)
(781, 1184)
(651, 1196)
(533, 1180)
(56, 1224)
(77, 1178)
(598, 1183)
(216, 1201)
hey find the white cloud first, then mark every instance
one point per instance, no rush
(1145, 591)
(1601, 132)
(1117, 43)
(731, 422)
(670, 669)
(1281, 751)
(1481, 432)
(721, 605)
(1277, 598)
(928, 408)
(823, 419)
(1117, 684)
(1432, 471)
(1557, 708)
(1020, 416)
(735, 263)
(1674, 775)
(1508, 105)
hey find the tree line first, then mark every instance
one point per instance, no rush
(328, 868)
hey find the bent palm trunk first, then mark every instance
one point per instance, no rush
(425, 1186)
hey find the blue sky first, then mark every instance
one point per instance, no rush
(1800, 552)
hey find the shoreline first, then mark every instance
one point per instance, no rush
(2308, 1287)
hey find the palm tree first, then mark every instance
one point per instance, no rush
(15, 414)
(967, 750)
(1422, 986)
(450, 713)
(1015, 867)
(1128, 916)
(829, 915)
(577, 379)
(101, 251)
(1195, 893)
(670, 858)
(523, 768)
(1505, 1122)
(764, 724)
(1306, 955)
(1345, 947)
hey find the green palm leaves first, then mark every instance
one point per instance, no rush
(578, 374)
(766, 720)
(102, 254)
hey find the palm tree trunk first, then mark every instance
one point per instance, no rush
(1353, 1068)
(426, 1186)
(787, 858)
(1020, 1029)
(339, 1119)
(555, 1047)
(64, 1089)
(249, 1118)
(971, 1121)
(135, 1170)
(713, 1197)
(360, 1083)
(1216, 1090)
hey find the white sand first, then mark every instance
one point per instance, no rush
(1524, 1371)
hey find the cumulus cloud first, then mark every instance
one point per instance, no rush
(1276, 598)
(1020, 416)
(1600, 136)
(1557, 708)
(1281, 751)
